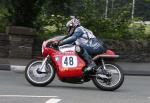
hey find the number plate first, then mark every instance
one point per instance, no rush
(69, 61)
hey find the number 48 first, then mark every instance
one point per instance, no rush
(68, 61)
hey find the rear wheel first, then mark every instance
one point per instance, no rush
(109, 82)
(39, 79)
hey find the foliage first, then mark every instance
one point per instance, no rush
(115, 26)
(147, 30)
(58, 7)
(91, 14)
(3, 19)
(23, 12)
(50, 16)
(136, 31)
(143, 9)
(53, 23)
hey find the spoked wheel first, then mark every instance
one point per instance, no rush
(112, 81)
(36, 78)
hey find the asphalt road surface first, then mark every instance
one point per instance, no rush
(15, 89)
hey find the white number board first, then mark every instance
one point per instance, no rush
(69, 61)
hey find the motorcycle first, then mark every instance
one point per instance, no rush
(69, 68)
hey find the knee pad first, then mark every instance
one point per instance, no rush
(79, 49)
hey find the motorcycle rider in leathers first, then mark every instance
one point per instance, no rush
(86, 44)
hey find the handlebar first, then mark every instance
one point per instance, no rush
(52, 45)
(49, 45)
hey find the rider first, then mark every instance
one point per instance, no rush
(86, 43)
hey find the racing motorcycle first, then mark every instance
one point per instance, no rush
(69, 68)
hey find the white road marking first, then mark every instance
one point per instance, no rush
(53, 101)
(28, 96)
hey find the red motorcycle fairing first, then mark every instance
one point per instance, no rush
(67, 64)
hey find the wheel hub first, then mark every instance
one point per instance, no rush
(37, 74)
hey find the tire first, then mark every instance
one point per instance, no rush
(120, 81)
(31, 74)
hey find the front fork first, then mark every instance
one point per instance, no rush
(42, 67)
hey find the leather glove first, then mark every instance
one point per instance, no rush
(55, 43)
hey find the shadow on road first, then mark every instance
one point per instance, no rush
(82, 88)
(72, 87)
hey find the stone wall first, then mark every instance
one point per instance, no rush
(131, 50)
(4, 45)
(20, 47)
(21, 41)
(17, 43)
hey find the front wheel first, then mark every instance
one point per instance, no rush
(39, 79)
(111, 82)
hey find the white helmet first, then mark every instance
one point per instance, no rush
(72, 24)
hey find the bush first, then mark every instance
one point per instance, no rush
(4, 16)
(136, 31)
(52, 23)
(147, 30)
(118, 25)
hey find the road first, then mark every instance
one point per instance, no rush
(15, 89)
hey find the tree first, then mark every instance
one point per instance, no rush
(143, 9)
(133, 8)
(58, 7)
(23, 12)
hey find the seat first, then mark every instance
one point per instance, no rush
(107, 54)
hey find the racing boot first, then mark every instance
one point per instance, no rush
(91, 66)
